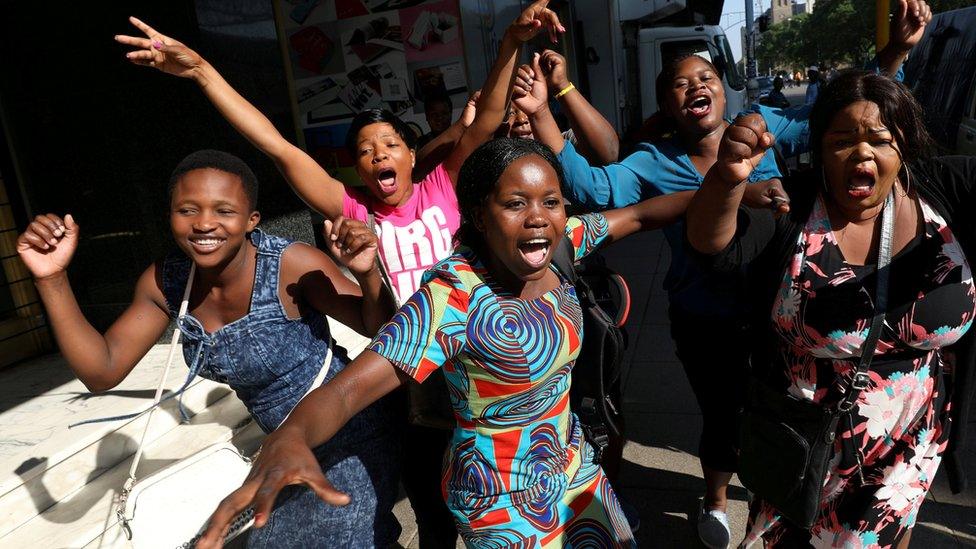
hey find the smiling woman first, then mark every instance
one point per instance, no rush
(256, 320)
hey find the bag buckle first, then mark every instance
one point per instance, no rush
(861, 381)
(598, 438)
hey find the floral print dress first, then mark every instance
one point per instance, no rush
(519, 472)
(889, 447)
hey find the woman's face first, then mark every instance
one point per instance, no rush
(384, 163)
(210, 216)
(861, 159)
(696, 99)
(516, 124)
(523, 218)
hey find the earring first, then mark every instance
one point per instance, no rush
(908, 180)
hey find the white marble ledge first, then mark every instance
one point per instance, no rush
(87, 518)
(41, 398)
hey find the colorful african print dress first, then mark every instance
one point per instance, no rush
(519, 472)
(890, 446)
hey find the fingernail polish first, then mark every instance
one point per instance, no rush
(158, 44)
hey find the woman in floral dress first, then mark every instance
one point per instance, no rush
(814, 274)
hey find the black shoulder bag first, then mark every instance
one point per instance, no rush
(595, 389)
(786, 443)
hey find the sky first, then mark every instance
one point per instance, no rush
(733, 18)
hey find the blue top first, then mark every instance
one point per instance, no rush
(653, 170)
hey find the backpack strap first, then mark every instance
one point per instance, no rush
(562, 258)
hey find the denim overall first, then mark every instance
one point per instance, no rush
(271, 361)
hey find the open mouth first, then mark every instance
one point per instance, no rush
(700, 106)
(535, 251)
(387, 180)
(206, 244)
(861, 183)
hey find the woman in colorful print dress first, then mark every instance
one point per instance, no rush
(505, 328)
(814, 273)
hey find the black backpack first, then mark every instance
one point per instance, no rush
(595, 393)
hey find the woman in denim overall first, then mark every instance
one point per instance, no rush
(240, 331)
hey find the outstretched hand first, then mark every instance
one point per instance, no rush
(743, 145)
(160, 51)
(533, 19)
(352, 243)
(285, 460)
(48, 244)
(909, 23)
(529, 93)
(470, 109)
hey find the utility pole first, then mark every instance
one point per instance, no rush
(751, 71)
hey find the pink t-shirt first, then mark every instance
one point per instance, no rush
(415, 236)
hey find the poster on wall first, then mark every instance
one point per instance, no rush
(346, 56)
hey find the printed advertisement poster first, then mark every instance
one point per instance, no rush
(346, 56)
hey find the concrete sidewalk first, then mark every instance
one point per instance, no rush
(661, 475)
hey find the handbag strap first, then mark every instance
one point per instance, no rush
(384, 274)
(184, 305)
(861, 378)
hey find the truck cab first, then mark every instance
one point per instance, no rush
(658, 44)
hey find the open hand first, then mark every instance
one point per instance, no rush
(743, 145)
(160, 51)
(470, 109)
(352, 243)
(529, 93)
(285, 460)
(533, 19)
(909, 23)
(48, 244)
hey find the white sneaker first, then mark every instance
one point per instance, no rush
(713, 528)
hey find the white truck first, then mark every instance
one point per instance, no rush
(669, 28)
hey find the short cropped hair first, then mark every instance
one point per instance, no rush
(376, 116)
(217, 160)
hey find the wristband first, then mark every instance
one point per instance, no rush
(566, 90)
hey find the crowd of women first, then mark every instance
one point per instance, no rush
(771, 278)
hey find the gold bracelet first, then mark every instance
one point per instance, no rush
(566, 90)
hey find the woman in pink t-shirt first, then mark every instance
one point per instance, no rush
(415, 222)
(415, 216)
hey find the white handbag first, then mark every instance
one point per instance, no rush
(170, 507)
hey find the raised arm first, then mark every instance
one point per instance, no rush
(363, 308)
(712, 216)
(308, 179)
(907, 28)
(439, 148)
(100, 362)
(650, 214)
(498, 87)
(596, 139)
(286, 457)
